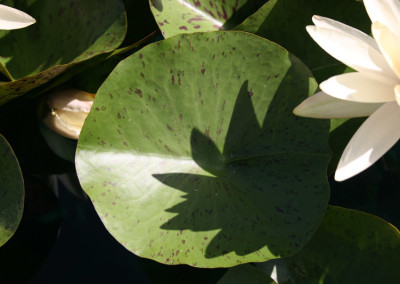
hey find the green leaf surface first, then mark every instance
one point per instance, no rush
(191, 153)
(285, 21)
(11, 192)
(187, 16)
(95, 73)
(245, 273)
(66, 33)
(349, 247)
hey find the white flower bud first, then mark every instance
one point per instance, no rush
(68, 111)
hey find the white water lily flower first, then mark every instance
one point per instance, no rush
(69, 109)
(374, 90)
(11, 18)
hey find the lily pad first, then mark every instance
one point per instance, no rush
(187, 16)
(11, 192)
(349, 247)
(32, 56)
(245, 273)
(191, 153)
(285, 21)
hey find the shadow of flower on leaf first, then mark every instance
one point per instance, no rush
(259, 191)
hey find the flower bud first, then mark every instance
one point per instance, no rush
(68, 111)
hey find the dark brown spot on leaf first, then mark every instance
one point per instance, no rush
(139, 92)
(251, 93)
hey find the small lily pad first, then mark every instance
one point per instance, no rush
(245, 273)
(187, 16)
(349, 247)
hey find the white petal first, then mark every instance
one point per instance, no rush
(357, 87)
(71, 100)
(327, 23)
(397, 92)
(322, 105)
(11, 18)
(353, 52)
(371, 141)
(386, 12)
(389, 45)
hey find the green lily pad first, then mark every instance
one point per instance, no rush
(285, 21)
(191, 153)
(245, 273)
(187, 16)
(349, 247)
(11, 192)
(66, 33)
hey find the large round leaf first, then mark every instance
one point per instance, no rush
(349, 247)
(191, 153)
(11, 192)
(66, 32)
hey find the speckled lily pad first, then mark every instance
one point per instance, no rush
(191, 153)
(11, 192)
(66, 32)
(187, 16)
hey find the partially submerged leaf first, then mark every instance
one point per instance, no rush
(191, 153)
(11, 192)
(33, 56)
(23, 255)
